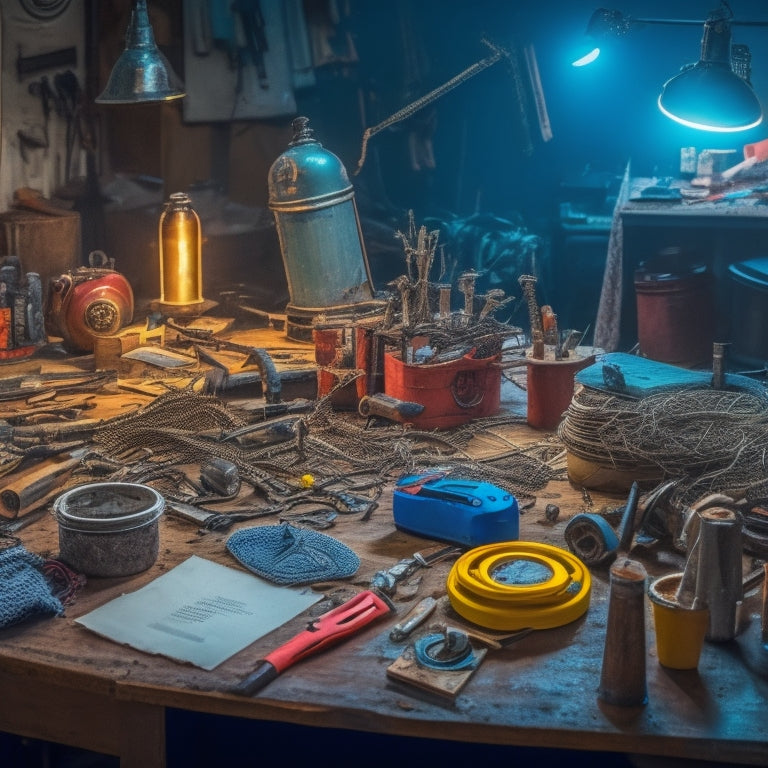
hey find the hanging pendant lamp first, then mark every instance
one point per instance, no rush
(709, 95)
(142, 73)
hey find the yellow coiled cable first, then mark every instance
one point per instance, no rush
(477, 594)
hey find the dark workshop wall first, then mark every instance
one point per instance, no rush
(601, 116)
(489, 155)
(486, 160)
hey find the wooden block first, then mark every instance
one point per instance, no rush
(638, 377)
(158, 356)
(46, 244)
(157, 387)
(206, 323)
(444, 683)
(107, 350)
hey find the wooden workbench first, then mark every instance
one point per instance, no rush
(62, 683)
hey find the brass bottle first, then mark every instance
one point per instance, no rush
(180, 238)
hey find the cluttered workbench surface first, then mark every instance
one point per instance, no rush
(295, 493)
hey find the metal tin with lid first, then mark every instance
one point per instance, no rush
(109, 528)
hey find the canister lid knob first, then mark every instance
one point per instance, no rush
(307, 176)
(302, 133)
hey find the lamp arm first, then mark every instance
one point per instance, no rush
(678, 22)
(697, 22)
(497, 54)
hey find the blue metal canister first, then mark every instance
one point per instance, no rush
(318, 227)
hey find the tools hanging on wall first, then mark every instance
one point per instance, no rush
(46, 37)
(239, 59)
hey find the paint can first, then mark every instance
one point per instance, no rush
(680, 629)
(452, 392)
(749, 311)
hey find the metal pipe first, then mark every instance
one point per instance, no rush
(718, 365)
(622, 678)
(719, 583)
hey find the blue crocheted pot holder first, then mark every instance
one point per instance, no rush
(285, 554)
(24, 590)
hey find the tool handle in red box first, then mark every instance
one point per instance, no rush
(330, 628)
(326, 630)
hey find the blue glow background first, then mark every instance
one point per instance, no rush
(602, 115)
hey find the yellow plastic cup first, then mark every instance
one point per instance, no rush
(680, 630)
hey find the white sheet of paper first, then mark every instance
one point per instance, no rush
(200, 612)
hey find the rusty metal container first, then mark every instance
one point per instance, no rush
(675, 315)
(109, 529)
(47, 245)
(452, 392)
(748, 286)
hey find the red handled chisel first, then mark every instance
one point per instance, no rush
(322, 632)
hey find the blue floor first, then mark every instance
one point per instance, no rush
(202, 740)
(208, 741)
(212, 741)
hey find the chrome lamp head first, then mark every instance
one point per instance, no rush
(708, 94)
(142, 73)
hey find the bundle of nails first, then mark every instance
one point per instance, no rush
(419, 307)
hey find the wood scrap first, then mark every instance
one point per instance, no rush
(444, 683)
(25, 490)
(22, 387)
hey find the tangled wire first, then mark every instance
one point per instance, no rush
(708, 440)
(185, 427)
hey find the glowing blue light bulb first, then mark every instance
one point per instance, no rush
(706, 126)
(587, 59)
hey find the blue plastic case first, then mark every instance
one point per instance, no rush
(465, 512)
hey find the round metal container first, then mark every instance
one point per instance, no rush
(675, 316)
(109, 529)
(318, 227)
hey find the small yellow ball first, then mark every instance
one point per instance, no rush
(307, 481)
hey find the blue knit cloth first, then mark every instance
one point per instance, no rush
(24, 590)
(285, 554)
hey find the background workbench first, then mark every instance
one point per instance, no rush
(62, 683)
(715, 234)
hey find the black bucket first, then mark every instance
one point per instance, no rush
(749, 312)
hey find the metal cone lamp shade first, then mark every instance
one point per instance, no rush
(709, 95)
(142, 73)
